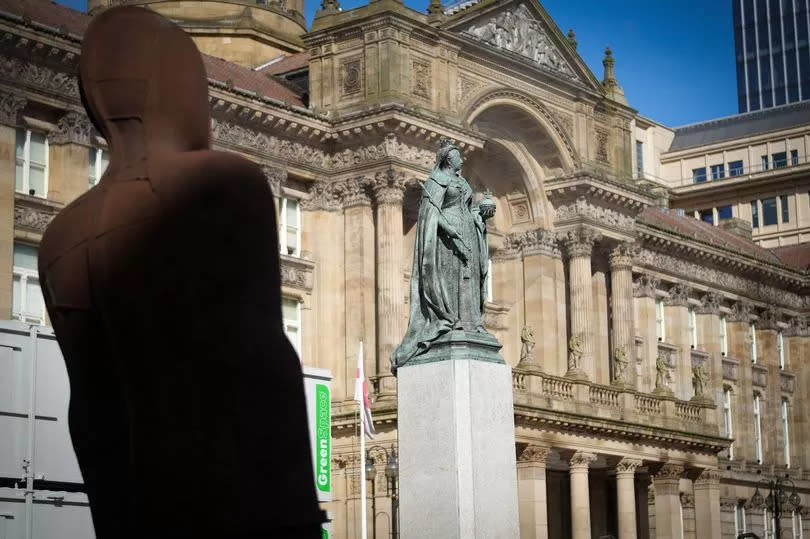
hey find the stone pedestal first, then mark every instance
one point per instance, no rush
(457, 441)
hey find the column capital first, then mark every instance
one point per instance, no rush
(275, 177)
(669, 472)
(534, 453)
(73, 128)
(687, 501)
(741, 312)
(389, 187)
(769, 318)
(579, 242)
(353, 192)
(581, 461)
(10, 107)
(710, 303)
(627, 466)
(621, 257)
(797, 327)
(708, 478)
(679, 295)
(323, 195)
(645, 286)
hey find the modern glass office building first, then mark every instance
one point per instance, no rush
(773, 56)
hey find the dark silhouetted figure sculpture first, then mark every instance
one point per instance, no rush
(187, 407)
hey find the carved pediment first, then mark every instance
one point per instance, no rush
(518, 30)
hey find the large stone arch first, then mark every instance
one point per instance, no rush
(525, 145)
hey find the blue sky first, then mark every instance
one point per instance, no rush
(674, 58)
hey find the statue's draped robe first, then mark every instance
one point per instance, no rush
(446, 293)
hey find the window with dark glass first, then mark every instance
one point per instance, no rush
(754, 214)
(779, 160)
(776, 53)
(794, 157)
(803, 51)
(699, 174)
(791, 57)
(707, 216)
(640, 158)
(724, 212)
(751, 64)
(769, 216)
(735, 168)
(783, 200)
(764, 160)
(718, 171)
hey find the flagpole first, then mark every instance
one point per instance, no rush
(363, 522)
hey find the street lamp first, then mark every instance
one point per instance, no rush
(778, 500)
(391, 483)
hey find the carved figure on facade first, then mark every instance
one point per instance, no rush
(645, 286)
(420, 75)
(582, 209)
(21, 72)
(535, 453)
(10, 106)
(574, 352)
(520, 32)
(619, 365)
(580, 242)
(797, 327)
(662, 374)
(621, 257)
(679, 295)
(741, 312)
(530, 242)
(276, 176)
(450, 260)
(527, 345)
(32, 218)
(769, 318)
(710, 303)
(700, 379)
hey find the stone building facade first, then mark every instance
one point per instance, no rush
(670, 358)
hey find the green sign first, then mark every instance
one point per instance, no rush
(323, 438)
(324, 533)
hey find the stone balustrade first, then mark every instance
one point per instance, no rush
(585, 398)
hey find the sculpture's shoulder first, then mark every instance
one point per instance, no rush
(72, 226)
(206, 172)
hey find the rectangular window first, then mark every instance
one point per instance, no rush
(794, 157)
(699, 175)
(780, 349)
(786, 432)
(640, 158)
(735, 168)
(718, 171)
(757, 430)
(692, 328)
(659, 320)
(754, 214)
(291, 315)
(783, 201)
(290, 229)
(707, 215)
(27, 302)
(99, 159)
(769, 216)
(764, 161)
(779, 160)
(723, 336)
(752, 340)
(727, 420)
(724, 212)
(739, 519)
(796, 518)
(31, 170)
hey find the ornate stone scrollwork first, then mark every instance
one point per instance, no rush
(535, 453)
(296, 272)
(530, 242)
(741, 312)
(389, 187)
(710, 303)
(687, 501)
(645, 286)
(769, 319)
(21, 72)
(797, 327)
(679, 295)
(353, 192)
(669, 471)
(581, 459)
(72, 128)
(579, 242)
(581, 209)
(276, 176)
(520, 32)
(323, 195)
(32, 218)
(10, 106)
(708, 477)
(622, 256)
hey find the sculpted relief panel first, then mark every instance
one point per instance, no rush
(520, 32)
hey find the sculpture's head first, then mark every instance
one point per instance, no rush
(143, 83)
(448, 156)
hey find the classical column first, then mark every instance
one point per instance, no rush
(644, 293)
(677, 333)
(668, 524)
(388, 194)
(626, 496)
(69, 157)
(621, 282)
(580, 495)
(531, 468)
(579, 246)
(707, 505)
(10, 106)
